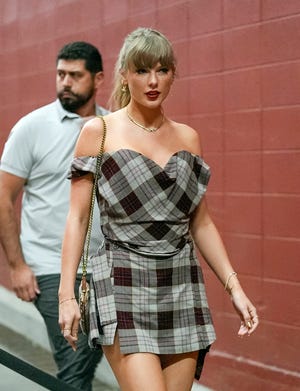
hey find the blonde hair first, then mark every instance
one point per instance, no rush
(142, 48)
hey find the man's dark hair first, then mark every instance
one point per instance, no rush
(80, 50)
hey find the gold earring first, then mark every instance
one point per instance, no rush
(124, 88)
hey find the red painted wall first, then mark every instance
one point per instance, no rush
(238, 84)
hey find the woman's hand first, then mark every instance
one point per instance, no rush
(69, 317)
(246, 311)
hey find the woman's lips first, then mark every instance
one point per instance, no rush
(152, 94)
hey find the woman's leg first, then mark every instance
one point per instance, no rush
(135, 371)
(179, 370)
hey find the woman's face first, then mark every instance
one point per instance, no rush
(149, 86)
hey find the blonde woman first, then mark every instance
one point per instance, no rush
(149, 312)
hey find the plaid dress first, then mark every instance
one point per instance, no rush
(146, 280)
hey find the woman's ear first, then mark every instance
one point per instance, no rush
(123, 75)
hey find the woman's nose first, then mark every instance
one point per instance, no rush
(152, 78)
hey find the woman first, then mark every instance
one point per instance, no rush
(149, 311)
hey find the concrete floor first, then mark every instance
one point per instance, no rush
(23, 348)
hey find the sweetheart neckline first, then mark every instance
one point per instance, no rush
(117, 151)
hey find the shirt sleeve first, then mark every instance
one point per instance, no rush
(81, 166)
(17, 157)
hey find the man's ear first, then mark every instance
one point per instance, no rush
(99, 79)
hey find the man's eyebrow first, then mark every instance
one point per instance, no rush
(73, 72)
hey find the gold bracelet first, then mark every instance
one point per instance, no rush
(64, 300)
(228, 279)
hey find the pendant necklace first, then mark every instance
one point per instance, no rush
(150, 130)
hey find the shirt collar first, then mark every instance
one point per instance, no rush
(62, 113)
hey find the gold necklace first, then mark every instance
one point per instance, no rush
(150, 130)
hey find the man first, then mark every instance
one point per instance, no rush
(36, 160)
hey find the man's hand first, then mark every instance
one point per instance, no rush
(24, 282)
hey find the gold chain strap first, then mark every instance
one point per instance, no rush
(93, 196)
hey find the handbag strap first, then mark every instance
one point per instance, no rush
(93, 197)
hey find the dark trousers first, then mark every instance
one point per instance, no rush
(76, 368)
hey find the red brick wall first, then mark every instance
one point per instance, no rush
(238, 84)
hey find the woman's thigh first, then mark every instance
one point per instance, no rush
(135, 371)
(179, 370)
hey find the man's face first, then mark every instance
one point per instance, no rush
(75, 85)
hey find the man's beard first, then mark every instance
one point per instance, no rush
(75, 101)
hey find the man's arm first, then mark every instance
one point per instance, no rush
(23, 280)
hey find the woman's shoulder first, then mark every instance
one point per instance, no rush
(189, 136)
(183, 128)
(90, 137)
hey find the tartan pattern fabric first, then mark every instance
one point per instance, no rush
(147, 281)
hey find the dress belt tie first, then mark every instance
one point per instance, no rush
(151, 254)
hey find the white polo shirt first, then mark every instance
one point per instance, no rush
(40, 149)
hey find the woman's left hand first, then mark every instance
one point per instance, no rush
(69, 317)
(246, 311)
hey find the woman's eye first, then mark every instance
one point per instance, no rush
(164, 70)
(141, 71)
